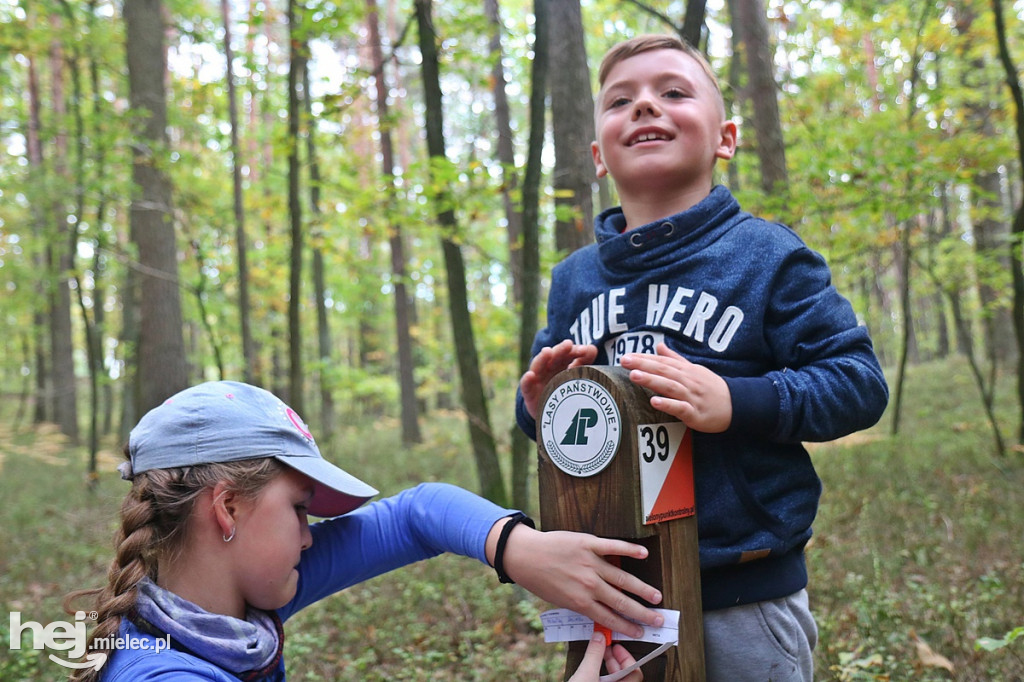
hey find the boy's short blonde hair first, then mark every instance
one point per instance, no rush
(648, 43)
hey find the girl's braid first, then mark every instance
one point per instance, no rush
(134, 560)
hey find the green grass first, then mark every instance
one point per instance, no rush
(919, 540)
(918, 547)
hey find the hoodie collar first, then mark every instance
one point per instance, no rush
(657, 243)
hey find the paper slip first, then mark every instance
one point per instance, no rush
(563, 625)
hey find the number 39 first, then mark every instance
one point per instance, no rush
(654, 443)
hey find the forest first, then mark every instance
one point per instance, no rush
(357, 205)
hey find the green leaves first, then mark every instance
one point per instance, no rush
(991, 644)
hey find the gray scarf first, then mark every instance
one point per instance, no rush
(237, 646)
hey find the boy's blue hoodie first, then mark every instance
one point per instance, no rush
(747, 299)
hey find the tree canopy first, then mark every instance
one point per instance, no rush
(900, 164)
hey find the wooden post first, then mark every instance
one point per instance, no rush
(611, 465)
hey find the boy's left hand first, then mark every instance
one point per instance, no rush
(691, 393)
(546, 364)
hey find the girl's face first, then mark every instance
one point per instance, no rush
(272, 532)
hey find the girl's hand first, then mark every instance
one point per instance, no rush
(615, 659)
(569, 570)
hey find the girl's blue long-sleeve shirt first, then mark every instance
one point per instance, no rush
(416, 524)
(749, 300)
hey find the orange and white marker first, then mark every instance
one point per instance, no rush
(666, 471)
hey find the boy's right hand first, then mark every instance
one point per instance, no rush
(546, 364)
(691, 393)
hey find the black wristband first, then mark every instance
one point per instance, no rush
(499, 551)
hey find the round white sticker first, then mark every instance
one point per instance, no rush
(580, 427)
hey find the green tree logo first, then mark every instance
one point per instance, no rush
(576, 434)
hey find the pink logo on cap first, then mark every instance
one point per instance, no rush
(297, 421)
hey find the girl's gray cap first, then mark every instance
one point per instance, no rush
(225, 421)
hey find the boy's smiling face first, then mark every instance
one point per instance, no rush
(660, 125)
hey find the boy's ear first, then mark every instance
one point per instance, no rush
(727, 145)
(599, 169)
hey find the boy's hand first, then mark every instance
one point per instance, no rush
(569, 570)
(548, 362)
(691, 393)
(615, 658)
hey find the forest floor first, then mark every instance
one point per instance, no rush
(918, 553)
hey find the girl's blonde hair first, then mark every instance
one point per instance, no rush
(154, 517)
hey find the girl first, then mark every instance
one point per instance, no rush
(215, 551)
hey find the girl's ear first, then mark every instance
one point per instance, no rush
(225, 508)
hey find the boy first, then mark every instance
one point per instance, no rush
(733, 322)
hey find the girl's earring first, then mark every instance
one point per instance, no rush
(229, 538)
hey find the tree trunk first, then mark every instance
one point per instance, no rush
(880, 295)
(1017, 230)
(79, 177)
(572, 125)
(752, 21)
(522, 462)
(128, 341)
(62, 364)
(991, 234)
(406, 133)
(162, 368)
(521, 449)
(324, 343)
(904, 256)
(200, 292)
(733, 95)
(473, 398)
(940, 228)
(100, 117)
(986, 387)
(990, 228)
(506, 153)
(907, 326)
(26, 381)
(261, 152)
(403, 307)
(328, 413)
(241, 250)
(297, 64)
(34, 147)
(693, 22)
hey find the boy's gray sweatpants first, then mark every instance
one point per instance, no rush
(762, 642)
